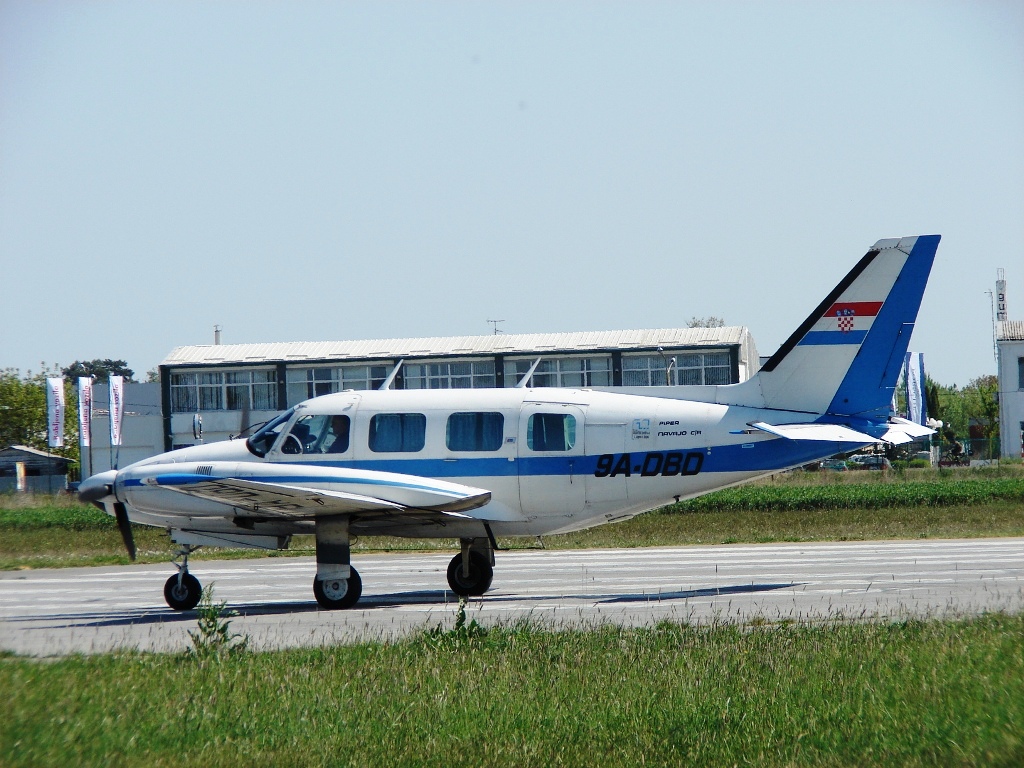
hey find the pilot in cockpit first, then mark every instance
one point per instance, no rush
(339, 431)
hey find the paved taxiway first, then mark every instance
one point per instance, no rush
(53, 612)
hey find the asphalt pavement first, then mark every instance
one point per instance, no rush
(52, 612)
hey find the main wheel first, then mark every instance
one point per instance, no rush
(184, 596)
(480, 575)
(337, 594)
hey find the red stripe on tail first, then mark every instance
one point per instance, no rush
(855, 308)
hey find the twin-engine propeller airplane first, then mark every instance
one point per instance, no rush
(478, 464)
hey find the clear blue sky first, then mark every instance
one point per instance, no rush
(306, 171)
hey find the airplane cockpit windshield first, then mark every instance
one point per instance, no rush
(263, 439)
(318, 433)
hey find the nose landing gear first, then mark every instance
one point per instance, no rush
(183, 590)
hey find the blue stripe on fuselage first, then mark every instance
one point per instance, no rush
(762, 456)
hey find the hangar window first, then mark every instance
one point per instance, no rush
(689, 368)
(457, 374)
(223, 390)
(398, 432)
(561, 372)
(475, 431)
(184, 392)
(304, 383)
(644, 370)
(551, 432)
(255, 390)
(1020, 373)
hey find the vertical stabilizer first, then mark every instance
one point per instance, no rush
(845, 358)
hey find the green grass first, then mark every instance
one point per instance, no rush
(945, 692)
(58, 531)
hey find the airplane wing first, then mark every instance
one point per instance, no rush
(298, 502)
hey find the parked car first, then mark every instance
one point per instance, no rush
(837, 465)
(870, 462)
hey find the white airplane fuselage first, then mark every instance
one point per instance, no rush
(474, 464)
(627, 454)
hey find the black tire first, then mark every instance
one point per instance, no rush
(183, 597)
(338, 594)
(480, 575)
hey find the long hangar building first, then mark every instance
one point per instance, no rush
(234, 386)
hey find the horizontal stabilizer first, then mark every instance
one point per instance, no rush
(903, 431)
(828, 433)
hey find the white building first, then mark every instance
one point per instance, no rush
(1010, 343)
(234, 386)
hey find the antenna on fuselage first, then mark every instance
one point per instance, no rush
(529, 373)
(391, 376)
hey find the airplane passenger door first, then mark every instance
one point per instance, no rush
(551, 474)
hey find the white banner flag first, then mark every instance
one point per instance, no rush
(917, 410)
(84, 411)
(55, 412)
(116, 408)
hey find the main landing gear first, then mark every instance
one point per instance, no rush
(337, 584)
(471, 571)
(183, 590)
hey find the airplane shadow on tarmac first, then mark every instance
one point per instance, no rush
(144, 616)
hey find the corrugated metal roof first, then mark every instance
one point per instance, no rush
(437, 346)
(1010, 330)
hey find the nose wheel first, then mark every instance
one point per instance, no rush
(182, 591)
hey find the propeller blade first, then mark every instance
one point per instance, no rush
(125, 527)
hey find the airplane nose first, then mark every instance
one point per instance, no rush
(98, 487)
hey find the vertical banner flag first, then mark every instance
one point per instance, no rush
(55, 412)
(116, 408)
(84, 411)
(917, 410)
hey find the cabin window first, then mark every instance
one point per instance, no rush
(398, 432)
(551, 432)
(475, 431)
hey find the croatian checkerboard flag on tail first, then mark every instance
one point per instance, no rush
(845, 322)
